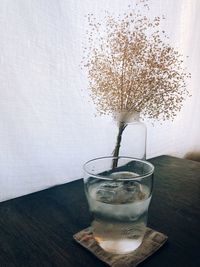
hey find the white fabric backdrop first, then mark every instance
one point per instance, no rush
(47, 126)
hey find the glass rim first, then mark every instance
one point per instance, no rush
(139, 177)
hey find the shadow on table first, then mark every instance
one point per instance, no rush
(193, 156)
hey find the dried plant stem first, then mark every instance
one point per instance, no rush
(122, 127)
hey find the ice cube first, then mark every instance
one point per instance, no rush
(109, 185)
(123, 175)
(120, 191)
(107, 191)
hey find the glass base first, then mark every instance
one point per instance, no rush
(120, 246)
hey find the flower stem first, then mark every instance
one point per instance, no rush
(122, 127)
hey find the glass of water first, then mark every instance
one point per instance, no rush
(118, 199)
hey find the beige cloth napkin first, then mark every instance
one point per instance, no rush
(152, 241)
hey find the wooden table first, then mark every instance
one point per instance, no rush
(36, 230)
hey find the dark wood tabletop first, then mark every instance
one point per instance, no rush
(37, 229)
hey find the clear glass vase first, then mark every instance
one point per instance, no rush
(130, 137)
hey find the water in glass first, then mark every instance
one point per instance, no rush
(120, 211)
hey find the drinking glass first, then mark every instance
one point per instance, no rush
(118, 199)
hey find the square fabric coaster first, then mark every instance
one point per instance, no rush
(152, 241)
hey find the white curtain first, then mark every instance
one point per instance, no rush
(47, 124)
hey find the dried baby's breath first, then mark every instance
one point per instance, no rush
(131, 68)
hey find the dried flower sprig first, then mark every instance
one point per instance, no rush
(131, 67)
